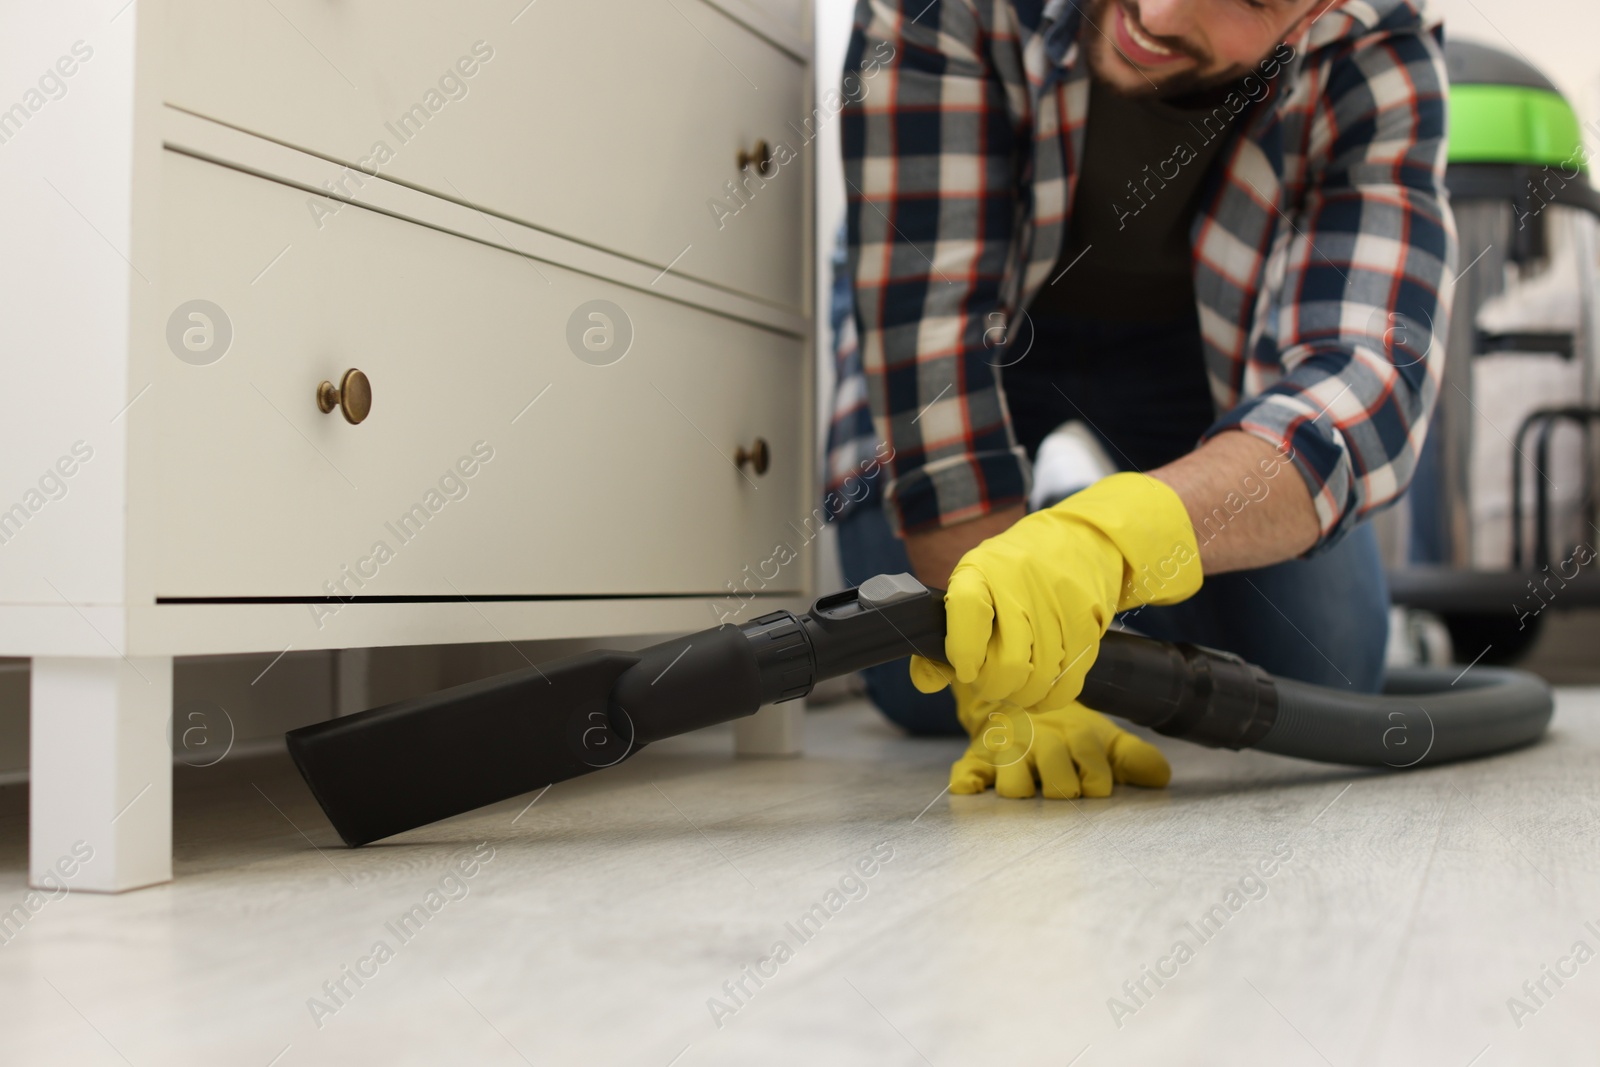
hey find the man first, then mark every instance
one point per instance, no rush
(1213, 231)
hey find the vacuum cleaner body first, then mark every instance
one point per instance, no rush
(380, 772)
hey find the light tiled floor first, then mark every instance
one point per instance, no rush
(1411, 907)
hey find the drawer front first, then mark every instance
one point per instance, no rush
(791, 15)
(617, 124)
(494, 460)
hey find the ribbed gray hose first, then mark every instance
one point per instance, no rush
(1426, 715)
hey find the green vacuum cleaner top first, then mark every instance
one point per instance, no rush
(1503, 110)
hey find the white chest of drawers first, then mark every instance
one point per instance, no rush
(535, 229)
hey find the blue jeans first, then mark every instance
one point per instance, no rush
(1323, 620)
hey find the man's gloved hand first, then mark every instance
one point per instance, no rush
(1026, 609)
(1071, 751)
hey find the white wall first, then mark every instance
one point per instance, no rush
(832, 37)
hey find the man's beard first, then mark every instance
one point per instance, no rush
(1193, 80)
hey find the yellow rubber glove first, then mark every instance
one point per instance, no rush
(1025, 610)
(1071, 751)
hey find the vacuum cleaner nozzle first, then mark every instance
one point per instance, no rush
(394, 768)
(391, 769)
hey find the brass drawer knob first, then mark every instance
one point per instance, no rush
(759, 456)
(760, 157)
(352, 396)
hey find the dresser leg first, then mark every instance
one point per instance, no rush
(100, 773)
(352, 672)
(777, 730)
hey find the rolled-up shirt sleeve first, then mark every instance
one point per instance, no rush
(1347, 369)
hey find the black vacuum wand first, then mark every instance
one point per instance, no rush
(395, 768)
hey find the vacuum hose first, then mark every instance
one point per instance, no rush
(393, 768)
(1424, 716)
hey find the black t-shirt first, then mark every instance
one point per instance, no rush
(1144, 165)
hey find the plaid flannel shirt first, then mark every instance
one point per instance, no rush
(1324, 248)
